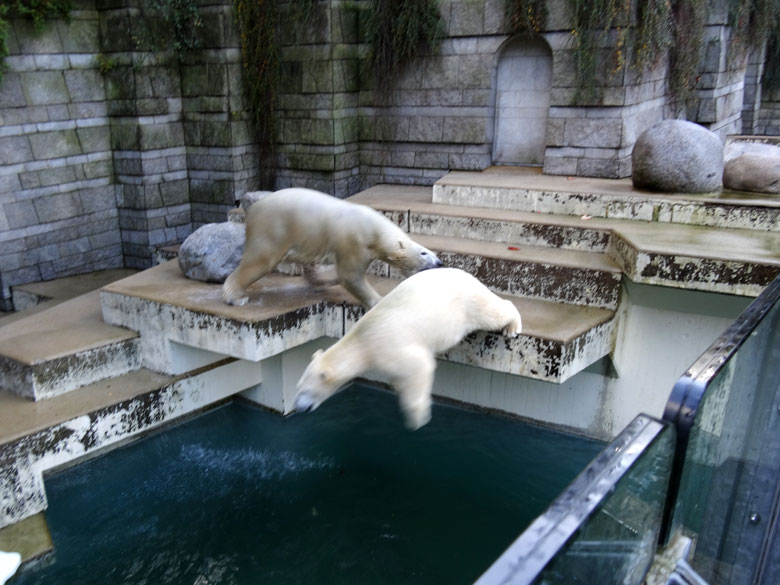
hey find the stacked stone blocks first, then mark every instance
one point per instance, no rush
(58, 211)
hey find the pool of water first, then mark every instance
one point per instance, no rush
(342, 495)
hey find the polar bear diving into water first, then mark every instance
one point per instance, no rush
(301, 225)
(400, 336)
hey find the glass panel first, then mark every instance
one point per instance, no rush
(604, 528)
(729, 481)
(618, 542)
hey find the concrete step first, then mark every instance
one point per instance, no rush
(62, 348)
(713, 259)
(525, 189)
(566, 276)
(27, 297)
(412, 208)
(558, 339)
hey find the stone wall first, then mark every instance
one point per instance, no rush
(111, 148)
(58, 204)
(721, 85)
(769, 117)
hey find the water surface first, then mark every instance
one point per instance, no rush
(344, 495)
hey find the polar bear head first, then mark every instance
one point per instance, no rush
(318, 383)
(410, 257)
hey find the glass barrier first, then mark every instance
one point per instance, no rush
(725, 485)
(604, 528)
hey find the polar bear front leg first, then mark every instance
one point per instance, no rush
(352, 277)
(249, 270)
(414, 389)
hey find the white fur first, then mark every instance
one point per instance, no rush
(301, 225)
(9, 562)
(399, 338)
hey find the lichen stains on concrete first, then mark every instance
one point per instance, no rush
(511, 232)
(703, 270)
(595, 288)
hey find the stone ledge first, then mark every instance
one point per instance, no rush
(524, 190)
(284, 312)
(695, 257)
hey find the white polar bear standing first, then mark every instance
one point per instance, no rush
(399, 338)
(306, 226)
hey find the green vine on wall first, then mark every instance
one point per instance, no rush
(36, 10)
(398, 31)
(257, 24)
(592, 23)
(525, 15)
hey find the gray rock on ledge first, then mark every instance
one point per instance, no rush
(676, 156)
(753, 172)
(212, 252)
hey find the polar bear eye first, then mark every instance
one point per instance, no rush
(423, 253)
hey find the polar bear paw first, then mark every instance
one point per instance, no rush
(513, 328)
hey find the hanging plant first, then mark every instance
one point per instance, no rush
(525, 15)
(751, 23)
(257, 22)
(36, 10)
(592, 22)
(689, 18)
(653, 33)
(398, 31)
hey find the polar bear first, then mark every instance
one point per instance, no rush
(399, 338)
(306, 226)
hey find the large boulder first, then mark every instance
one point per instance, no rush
(676, 156)
(212, 251)
(753, 172)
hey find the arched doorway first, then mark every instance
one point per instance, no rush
(523, 80)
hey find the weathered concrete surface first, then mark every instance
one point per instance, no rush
(53, 436)
(284, 312)
(694, 257)
(167, 308)
(520, 189)
(62, 348)
(738, 262)
(567, 276)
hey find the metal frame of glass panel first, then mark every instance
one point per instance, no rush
(688, 391)
(724, 492)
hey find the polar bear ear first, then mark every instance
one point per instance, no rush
(316, 354)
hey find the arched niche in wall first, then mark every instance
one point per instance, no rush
(523, 80)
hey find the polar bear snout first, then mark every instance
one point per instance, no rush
(304, 402)
(430, 260)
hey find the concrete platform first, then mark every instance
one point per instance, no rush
(526, 189)
(171, 311)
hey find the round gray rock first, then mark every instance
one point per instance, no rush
(212, 251)
(676, 156)
(753, 172)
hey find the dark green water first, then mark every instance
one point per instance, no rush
(344, 495)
